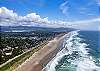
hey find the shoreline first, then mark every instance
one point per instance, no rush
(40, 58)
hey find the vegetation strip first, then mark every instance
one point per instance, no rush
(14, 62)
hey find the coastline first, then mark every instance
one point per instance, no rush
(40, 58)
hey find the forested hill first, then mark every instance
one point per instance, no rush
(32, 28)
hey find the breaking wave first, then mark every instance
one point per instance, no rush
(74, 56)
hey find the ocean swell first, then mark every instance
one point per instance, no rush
(73, 57)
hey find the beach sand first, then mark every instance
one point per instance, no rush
(40, 58)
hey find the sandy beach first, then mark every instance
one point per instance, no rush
(40, 58)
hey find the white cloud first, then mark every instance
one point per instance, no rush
(90, 24)
(9, 18)
(87, 21)
(83, 10)
(98, 2)
(7, 14)
(64, 7)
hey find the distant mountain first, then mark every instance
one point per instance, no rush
(32, 28)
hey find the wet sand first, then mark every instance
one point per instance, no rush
(40, 58)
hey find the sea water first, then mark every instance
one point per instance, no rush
(81, 52)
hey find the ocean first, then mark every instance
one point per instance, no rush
(81, 52)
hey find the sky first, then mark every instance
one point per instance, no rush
(80, 14)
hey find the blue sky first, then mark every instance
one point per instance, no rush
(45, 8)
(63, 10)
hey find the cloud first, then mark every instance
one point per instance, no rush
(90, 24)
(83, 22)
(64, 7)
(87, 21)
(98, 2)
(8, 16)
(86, 9)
